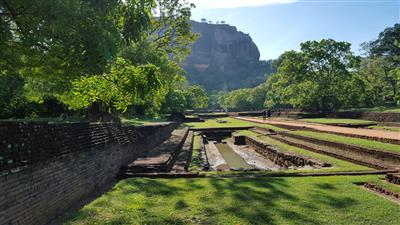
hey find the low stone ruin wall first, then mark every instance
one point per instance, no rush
(391, 160)
(393, 178)
(373, 116)
(45, 169)
(382, 191)
(279, 157)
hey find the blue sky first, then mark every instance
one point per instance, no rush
(280, 25)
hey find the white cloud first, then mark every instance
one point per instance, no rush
(224, 4)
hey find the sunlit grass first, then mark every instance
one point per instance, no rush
(275, 200)
(230, 122)
(350, 141)
(141, 121)
(195, 164)
(397, 129)
(337, 164)
(338, 121)
(375, 109)
(218, 123)
(380, 181)
(69, 119)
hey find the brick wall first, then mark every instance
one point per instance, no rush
(47, 168)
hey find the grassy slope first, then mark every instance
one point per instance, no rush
(194, 166)
(137, 121)
(337, 121)
(310, 200)
(351, 141)
(397, 129)
(231, 122)
(338, 165)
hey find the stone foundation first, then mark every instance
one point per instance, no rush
(279, 157)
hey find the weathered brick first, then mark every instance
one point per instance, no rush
(63, 163)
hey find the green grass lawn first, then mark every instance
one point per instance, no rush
(392, 110)
(351, 141)
(380, 181)
(195, 164)
(337, 164)
(70, 119)
(211, 114)
(212, 123)
(231, 122)
(397, 129)
(332, 200)
(375, 109)
(141, 121)
(338, 121)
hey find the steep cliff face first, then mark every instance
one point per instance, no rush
(224, 58)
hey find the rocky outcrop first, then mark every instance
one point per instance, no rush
(224, 58)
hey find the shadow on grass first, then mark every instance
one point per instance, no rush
(212, 201)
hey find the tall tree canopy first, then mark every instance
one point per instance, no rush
(316, 76)
(387, 44)
(110, 54)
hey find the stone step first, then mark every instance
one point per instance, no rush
(160, 158)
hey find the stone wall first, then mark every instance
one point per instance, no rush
(279, 157)
(373, 116)
(389, 160)
(393, 178)
(48, 168)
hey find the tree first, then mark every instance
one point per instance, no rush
(171, 30)
(196, 97)
(183, 97)
(387, 47)
(102, 54)
(11, 95)
(315, 77)
(123, 86)
(55, 42)
(375, 81)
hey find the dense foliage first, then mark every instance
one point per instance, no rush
(185, 97)
(108, 57)
(325, 76)
(92, 56)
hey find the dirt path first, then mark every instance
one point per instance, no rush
(377, 134)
